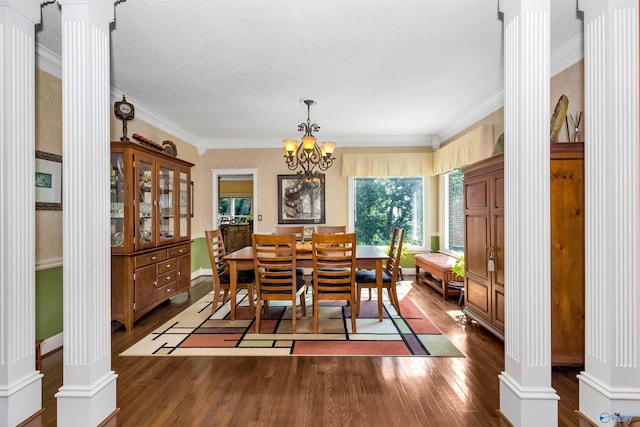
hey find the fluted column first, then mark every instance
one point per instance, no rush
(526, 396)
(88, 394)
(20, 383)
(610, 382)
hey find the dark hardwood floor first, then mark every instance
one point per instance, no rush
(312, 391)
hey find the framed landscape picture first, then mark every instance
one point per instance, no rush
(48, 181)
(300, 199)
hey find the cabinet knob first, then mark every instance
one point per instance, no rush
(168, 290)
(168, 277)
(155, 283)
(168, 265)
(180, 251)
(153, 257)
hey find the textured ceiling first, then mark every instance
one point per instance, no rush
(384, 72)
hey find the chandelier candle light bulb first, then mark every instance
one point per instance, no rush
(308, 155)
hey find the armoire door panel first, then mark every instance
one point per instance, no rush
(477, 295)
(476, 195)
(476, 239)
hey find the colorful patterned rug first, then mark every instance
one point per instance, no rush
(195, 332)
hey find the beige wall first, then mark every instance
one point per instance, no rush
(48, 138)
(569, 82)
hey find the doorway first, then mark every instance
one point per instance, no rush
(232, 175)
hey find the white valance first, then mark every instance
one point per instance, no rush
(469, 148)
(387, 164)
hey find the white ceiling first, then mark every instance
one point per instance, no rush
(384, 72)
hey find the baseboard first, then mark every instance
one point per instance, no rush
(51, 344)
(201, 272)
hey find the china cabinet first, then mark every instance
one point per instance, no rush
(484, 248)
(150, 229)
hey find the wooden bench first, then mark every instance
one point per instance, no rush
(437, 273)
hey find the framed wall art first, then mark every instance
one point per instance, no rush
(48, 181)
(300, 199)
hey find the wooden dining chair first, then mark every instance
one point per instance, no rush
(220, 270)
(275, 273)
(334, 272)
(298, 230)
(331, 229)
(367, 278)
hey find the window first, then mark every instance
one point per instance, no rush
(232, 208)
(380, 204)
(454, 212)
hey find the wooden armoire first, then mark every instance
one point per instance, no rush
(484, 248)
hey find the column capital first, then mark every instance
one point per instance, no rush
(30, 9)
(100, 9)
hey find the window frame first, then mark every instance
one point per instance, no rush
(444, 203)
(351, 211)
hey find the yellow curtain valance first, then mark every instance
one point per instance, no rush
(387, 164)
(469, 148)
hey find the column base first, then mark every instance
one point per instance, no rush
(533, 406)
(87, 406)
(21, 401)
(602, 403)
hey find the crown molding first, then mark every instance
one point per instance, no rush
(146, 114)
(567, 54)
(48, 61)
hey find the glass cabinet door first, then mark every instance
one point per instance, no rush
(117, 200)
(144, 208)
(184, 205)
(166, 202)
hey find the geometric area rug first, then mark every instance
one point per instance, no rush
(196, 332)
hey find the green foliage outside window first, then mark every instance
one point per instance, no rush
(384, 203)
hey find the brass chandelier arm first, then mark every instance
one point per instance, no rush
(308, 161)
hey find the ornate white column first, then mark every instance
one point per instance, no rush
(611, 381)
(88, 394)
(20, 383)
(526, 396)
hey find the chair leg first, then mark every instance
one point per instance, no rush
(214, 305)
(252, 309)
(393, 296)
(315, 316)
(303, 304)
(225, 296)
(353, 317)
(294, 314)
(358, 297)
(258, 315)
(369, 294)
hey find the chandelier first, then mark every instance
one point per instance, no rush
(308, 155)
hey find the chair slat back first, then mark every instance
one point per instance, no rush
(275, 262)
(395, 253)
(298, 230)
(215, 245)
(334, 262)
(331, 229)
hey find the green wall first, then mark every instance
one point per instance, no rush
(199, 254)
(48, 302)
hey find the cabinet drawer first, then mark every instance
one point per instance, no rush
(165, 266)
(150, 258)
(163, 279)
(163, 292)
(178, 250)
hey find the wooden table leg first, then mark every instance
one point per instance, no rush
(233, 284)
(379, 287)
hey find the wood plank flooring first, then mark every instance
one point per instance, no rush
(312, 391)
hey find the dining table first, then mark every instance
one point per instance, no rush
(367, 257)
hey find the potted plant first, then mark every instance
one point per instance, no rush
(458, 270)
(458, 267)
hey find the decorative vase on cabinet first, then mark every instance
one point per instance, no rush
(150, 229)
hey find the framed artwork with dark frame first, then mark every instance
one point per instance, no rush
(48, 181)
(300, 199)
